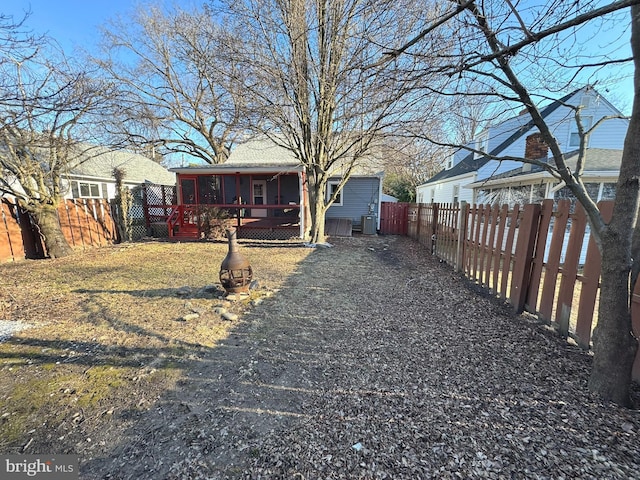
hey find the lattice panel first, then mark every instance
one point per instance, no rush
(269, 234)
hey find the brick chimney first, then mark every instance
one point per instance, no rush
(535, 148)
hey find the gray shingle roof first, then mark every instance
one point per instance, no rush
(137, 168)
(261, 151)
(262, 154)
(596, 160)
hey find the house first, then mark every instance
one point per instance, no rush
(532, 184)
(263, 187)
(465, 171)
(93, 177)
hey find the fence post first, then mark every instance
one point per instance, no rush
(419, 216)
(434, 227)
(463, 218)
(527, 234)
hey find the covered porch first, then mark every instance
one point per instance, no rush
(261, 202)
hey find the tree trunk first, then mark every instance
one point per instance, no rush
(614, 344)
(318, 209)
(55, 243)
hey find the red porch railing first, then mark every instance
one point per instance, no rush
(186, 220)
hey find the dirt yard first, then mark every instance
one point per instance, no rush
(367, 360)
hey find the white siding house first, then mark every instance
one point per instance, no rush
(464, 179)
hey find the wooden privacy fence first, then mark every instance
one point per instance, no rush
(393, 218)
(84, 222)
(540, 258)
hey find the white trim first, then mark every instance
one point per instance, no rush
(258, 212)
(337, 203)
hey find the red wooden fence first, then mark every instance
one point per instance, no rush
(533, 257)
(84, 223)
(393, 218)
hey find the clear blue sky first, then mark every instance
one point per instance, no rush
(75, 23)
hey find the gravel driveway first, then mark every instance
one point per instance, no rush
(377, 361)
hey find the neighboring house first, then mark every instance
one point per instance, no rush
(462, 178)
(270, 185)
(531, 184)
(93, 177)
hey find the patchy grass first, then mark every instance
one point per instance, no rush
(108, 335)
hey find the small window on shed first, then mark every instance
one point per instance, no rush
(456, 193)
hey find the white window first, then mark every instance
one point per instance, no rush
(88, 190)
(482, 144)
(456, 193)
(574, 138)
(332, 186)
(449, 163)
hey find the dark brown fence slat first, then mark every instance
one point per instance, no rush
(412, 217)
(482, 246)
(552, 266)
(590, 284)
(508, 251)
(570, 270)
(468, 250)
(421, 210)
(479, 209)
(491, 248)
(433, 226)
(502, 219)
(463, 219)
(453, 234)
(546, 214)
(527, 233)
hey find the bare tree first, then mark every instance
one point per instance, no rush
(513, 52)
(311, 79)
(177, 89)
(45, 104)
(17, 44)
(409, 163)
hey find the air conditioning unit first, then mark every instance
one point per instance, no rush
(368, 224)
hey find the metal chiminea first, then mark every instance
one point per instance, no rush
(235, 271)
